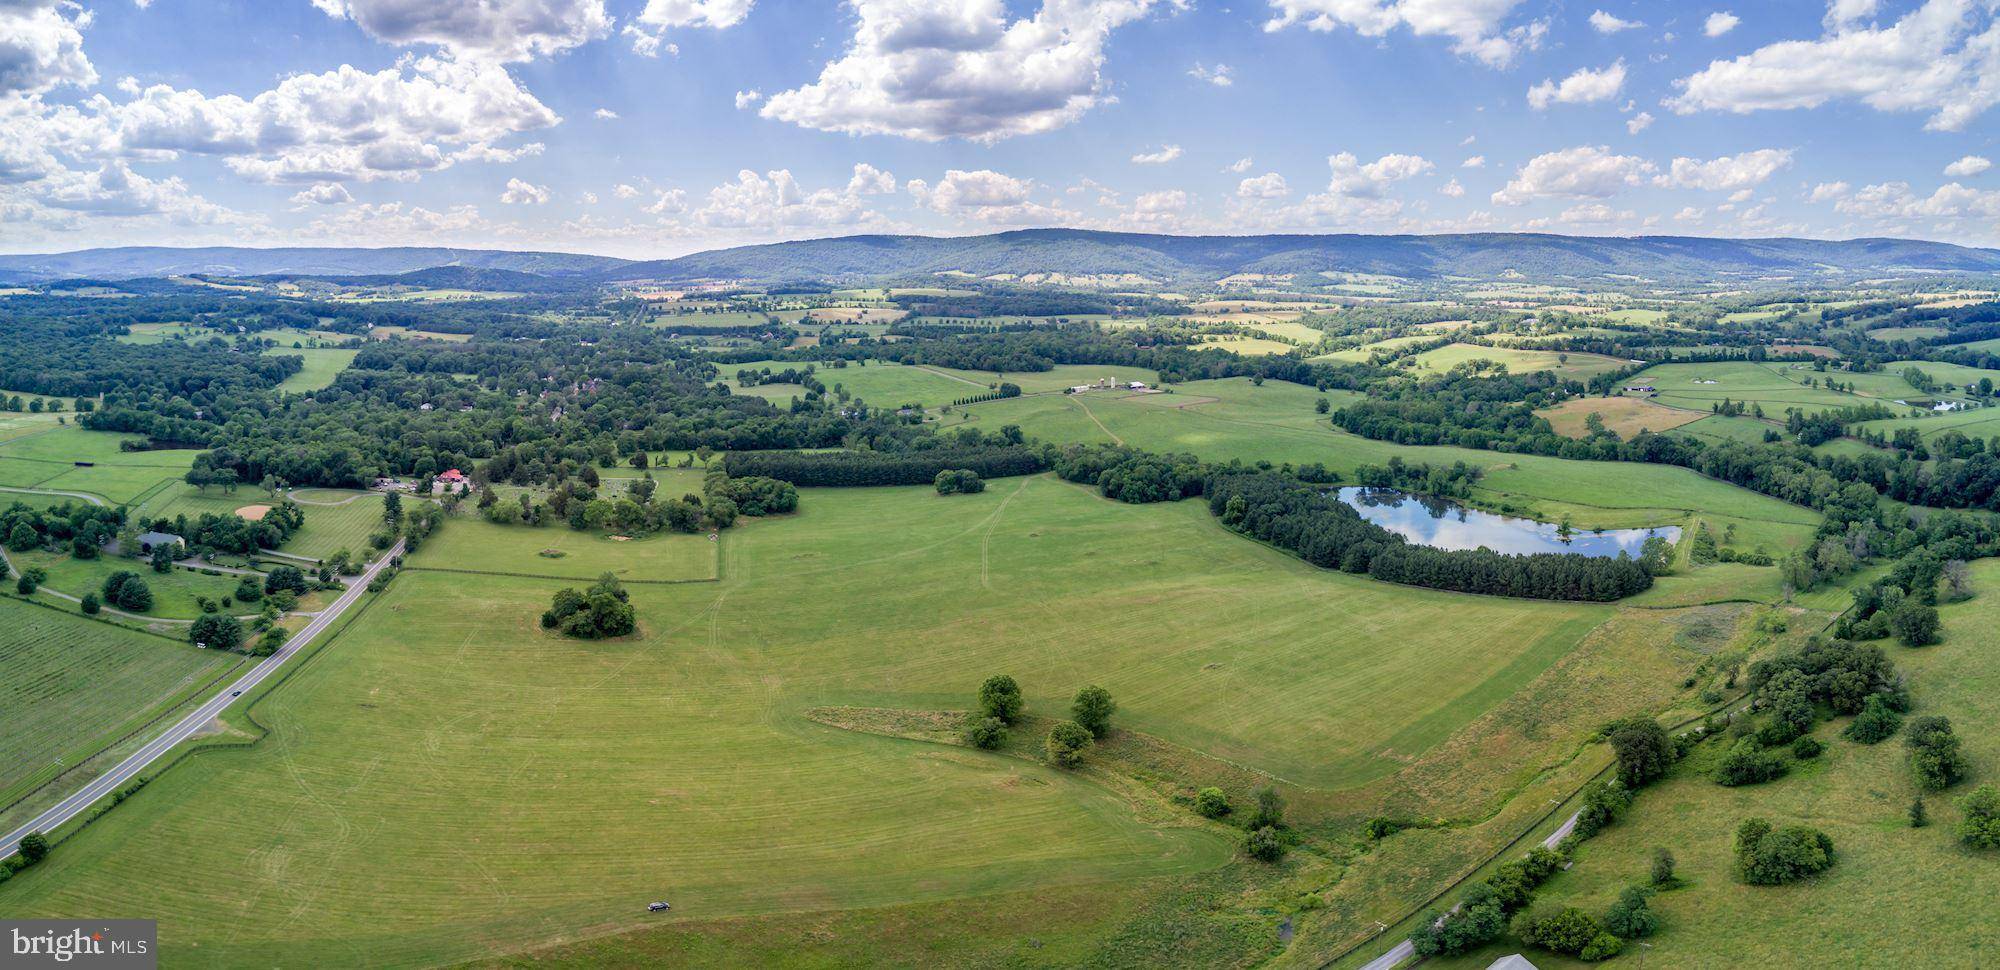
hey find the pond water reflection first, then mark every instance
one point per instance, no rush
(1445, 524)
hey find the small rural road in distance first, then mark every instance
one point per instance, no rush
(187, 727)
(1404, 951)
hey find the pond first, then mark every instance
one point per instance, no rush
(1446, 524)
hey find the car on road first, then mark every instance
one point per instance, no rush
(657, 907)
(236, 693)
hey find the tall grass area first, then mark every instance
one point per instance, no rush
(1896, 896)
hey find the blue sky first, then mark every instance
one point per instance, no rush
(657, 127)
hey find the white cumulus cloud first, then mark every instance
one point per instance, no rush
(506, 30)
(937, 69)
(1727, 173)
(41, 46)
(1165, 154)
(1942, 58)
(1719, 23)
(1968, 166)
(524, 193)
(1583, 172)
(1585, 86)
(1606, 23)
(648, 31)
(1269, 185)
(1475, 26)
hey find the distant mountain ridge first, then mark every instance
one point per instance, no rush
(1170, 258)
(1076, 253)
(131, 262)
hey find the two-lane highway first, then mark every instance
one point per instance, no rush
(189, 726)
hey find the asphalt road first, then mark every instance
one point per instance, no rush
(187, 727)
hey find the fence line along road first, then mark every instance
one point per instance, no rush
(187, 727)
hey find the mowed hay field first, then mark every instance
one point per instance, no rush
(323, 364)
(1775, 386)
(1233, 419)
(48, 460)
(1625, 415)
(447, 780)
(1573, 366)
(73, 683)
(1897, 896)
(471, 544)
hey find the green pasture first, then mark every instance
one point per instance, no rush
(1577, 366)
(336, 520)
(448, 780)
(174, 592)
(323, 364)
(1978, 423)
(1775, 386)
(1889, 877)
(1907, 333)
(473, 544)
(73, 685)
(48, 460)
(1234, 419)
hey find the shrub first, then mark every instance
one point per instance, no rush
(959, 481)
(1630, 917)
(34, 847)
(218, 631)
(1478, 920)
(1772, 857)
(1604, 947)
(125, 590)
(1211, 803)
(1603, 804)
(1568, 930)
(1382, 826)
(1915, 623)
(1934, 754)
(1876, 722)
(1643, 748)
(1000, 697)
(1092, 709)
(286, 578)
(270, 642)
(1663, 867)
(1270, 811)
(1066, 743)
(1980, 828)
(90, 604)
(1747, 764)
(1919, 815)
(986, 733)
(1264, 845)
(603, 610)
(1807, 748)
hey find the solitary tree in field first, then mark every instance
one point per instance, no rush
(1000, 697)
(1093, 709)
(392, 510)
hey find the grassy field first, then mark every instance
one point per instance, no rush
(1577, 366)
(1246, 346)
(473, 544)
(173, 592)
(1858, 795)
(429, 770)
(73, 684)
(1978, 423)
(323, 364)
(1907, 333)
(48, 460)
(1225, 419)
(879, 383)
(1625, 415)
(1774, 386)
(336, 520)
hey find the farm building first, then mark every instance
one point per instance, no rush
(148, 541)
(452, 480)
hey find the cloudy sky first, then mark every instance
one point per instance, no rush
(658, 127)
